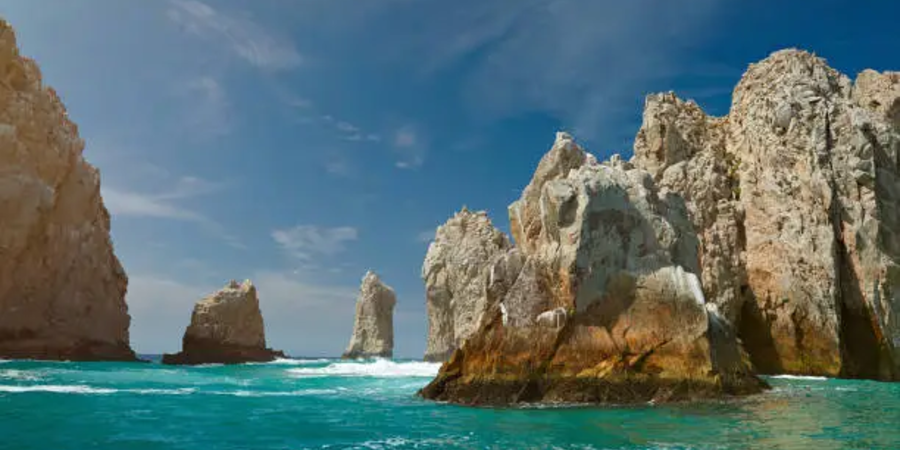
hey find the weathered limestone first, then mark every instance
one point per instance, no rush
(226, 327)
(62, 289)
(455, 271)
(606, 307)
(373, 327)
(794, 198)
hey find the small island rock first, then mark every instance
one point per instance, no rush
(373, 326)
(226, 327)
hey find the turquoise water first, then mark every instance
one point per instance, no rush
(319, 404)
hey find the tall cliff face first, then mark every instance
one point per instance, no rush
(226, 327)
(62, 289)
(794, 196)
(606, 306)
(373, 326)
(455, 271)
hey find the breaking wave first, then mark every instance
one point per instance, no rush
(800, 377)
(379, 368)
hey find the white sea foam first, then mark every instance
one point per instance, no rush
(13, 374)
(296, 362)
(379, 368)
(800, 377)
(59, 389)
(299, 393)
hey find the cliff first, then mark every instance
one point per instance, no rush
(605, 307)
(373, 326)
(226, 327)
(455, 271)
(62, 289)
(794, 196)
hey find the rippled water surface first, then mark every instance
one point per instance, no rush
(321, 403)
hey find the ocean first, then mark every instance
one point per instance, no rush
(295, 404)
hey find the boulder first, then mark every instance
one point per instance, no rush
(794, 199)
(373, 327)
(226, 327)
(456, 272)
(62, 289)
(607, 307)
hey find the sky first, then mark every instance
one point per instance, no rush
(301, 143)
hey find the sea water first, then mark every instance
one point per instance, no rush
(333, 404)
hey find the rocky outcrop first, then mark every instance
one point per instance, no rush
(794, 196)
(62, 289)
(606, 306)
(226, 327)
(373, 327)
(456, 271)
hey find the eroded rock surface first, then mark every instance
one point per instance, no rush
(456, 271)
(373, 326)
(606, 308)
(794, 197)
(226, 327)
(62, 289)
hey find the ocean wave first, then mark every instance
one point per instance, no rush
(800, 377)
(58, 389)
(299, 393)
(379, 368)
(291, 362)
(13, 374)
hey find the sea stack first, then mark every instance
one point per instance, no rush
(226, 327)
(455, 271)
(62, 289)
(795, 197)
(606, 308)
(373, 326)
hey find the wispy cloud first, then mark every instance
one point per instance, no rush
(164, 205)
(409, 147)
(206, 111)
(250, 41)
(305, 242)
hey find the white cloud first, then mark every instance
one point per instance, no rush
(307, 241)
(164, 205)
(248, 40)
(346, 127)
(409, 147)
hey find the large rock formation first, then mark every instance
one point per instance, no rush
(605, 306)
(62, 289)
(795, 197)
(455, 271)
(373, 327)
(226, 327)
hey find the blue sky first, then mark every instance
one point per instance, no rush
(300, 143)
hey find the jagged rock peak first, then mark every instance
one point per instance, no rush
(373, 326)
(454, 272)
(793, 197)
(62, 289)
(226, 327)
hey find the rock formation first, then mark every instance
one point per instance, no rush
(455, 272)
(62, 289)
(226, 327)
(606, 306)
(373, 327)
(795, 197)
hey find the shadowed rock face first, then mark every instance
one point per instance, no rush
(605, 308)
(226, 327)
(373, 326)
(62, 289)
(794, 196)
